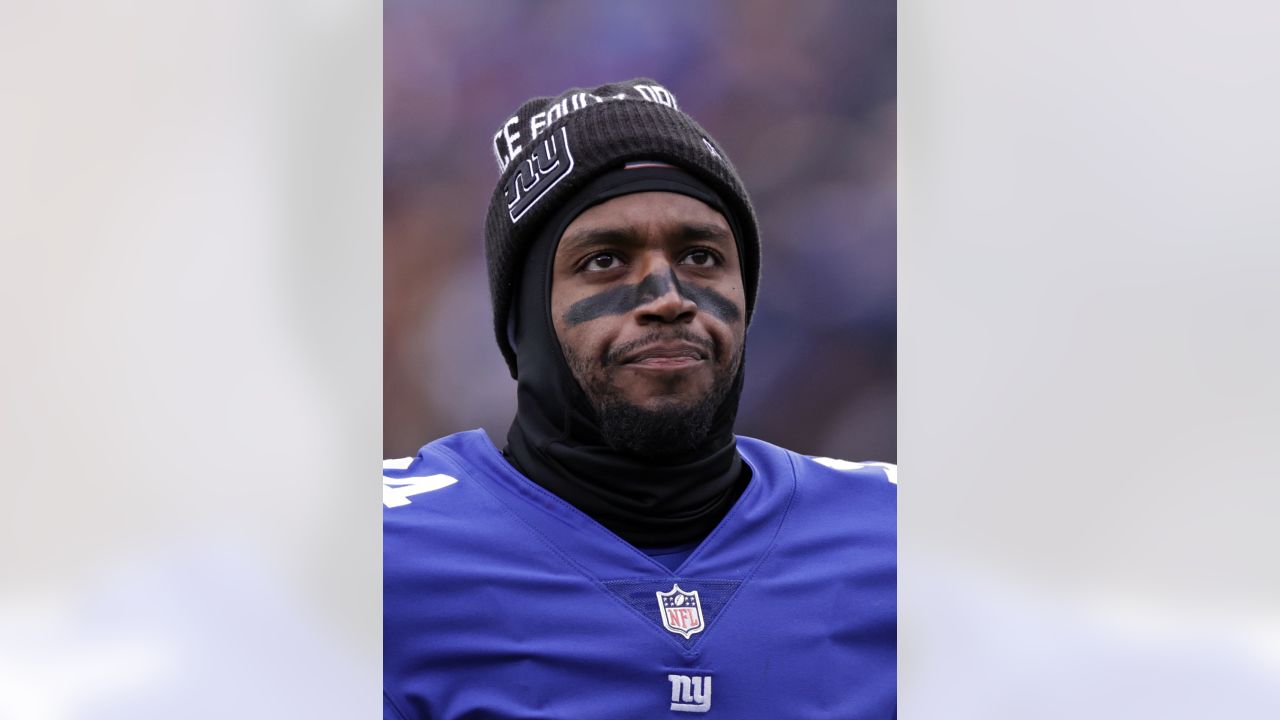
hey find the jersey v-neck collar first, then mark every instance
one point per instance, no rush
(731, 552)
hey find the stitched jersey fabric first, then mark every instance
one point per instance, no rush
(503, 601)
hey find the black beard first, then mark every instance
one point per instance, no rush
(665, 432)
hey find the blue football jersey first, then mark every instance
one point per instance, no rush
(503, 601)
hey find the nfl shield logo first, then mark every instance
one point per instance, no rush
(681, 611)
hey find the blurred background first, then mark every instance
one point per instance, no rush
(802, 95)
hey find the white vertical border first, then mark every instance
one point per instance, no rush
(1088, 404)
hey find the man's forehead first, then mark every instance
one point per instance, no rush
(649, 212)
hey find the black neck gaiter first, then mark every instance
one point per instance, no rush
(555, 439)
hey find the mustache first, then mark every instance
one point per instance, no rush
(617, 353)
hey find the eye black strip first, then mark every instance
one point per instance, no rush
(622, 299)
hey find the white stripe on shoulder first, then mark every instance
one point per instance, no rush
(890, 470)
(397, 463)
(397, 491)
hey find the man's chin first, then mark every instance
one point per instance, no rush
(658, 428)
(666, 404)
(658, 415)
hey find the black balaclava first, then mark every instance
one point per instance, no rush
(556, 438)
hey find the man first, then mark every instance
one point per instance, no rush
(625, 555)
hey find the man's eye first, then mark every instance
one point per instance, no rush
(602, 261)
(701, 258)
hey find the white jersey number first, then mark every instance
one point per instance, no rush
(397, 491)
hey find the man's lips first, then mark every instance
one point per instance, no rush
(665, 355)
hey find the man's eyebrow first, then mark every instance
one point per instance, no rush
(591, 237)
(704, 231)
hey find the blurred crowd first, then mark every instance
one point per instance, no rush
(801, 95)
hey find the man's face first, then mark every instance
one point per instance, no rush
(649, 308)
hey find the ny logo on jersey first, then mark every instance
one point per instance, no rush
(681, 611)
(690, 693)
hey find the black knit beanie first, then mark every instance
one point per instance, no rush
(553, 146)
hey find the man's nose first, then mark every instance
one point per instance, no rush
(662, 298)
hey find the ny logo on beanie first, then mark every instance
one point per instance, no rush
(542, 159)
(549, 162)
